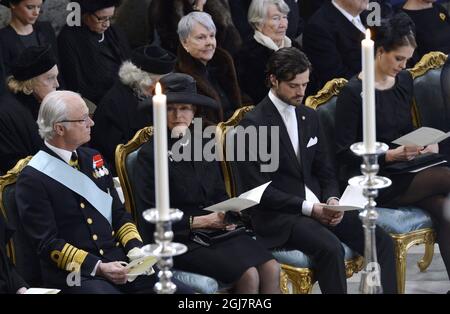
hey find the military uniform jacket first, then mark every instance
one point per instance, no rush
(67, 230)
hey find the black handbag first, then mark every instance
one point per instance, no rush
(208, 237)
(420, 161)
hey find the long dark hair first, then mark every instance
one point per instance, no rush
(398, 31)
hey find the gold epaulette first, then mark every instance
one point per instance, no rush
(70, 258)
(128, 232)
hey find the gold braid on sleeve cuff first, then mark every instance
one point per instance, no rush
(69, 258)
(128, 232)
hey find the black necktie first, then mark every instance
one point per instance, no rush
(73, 162)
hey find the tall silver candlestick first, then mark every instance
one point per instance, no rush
(370, 182)
(163, 248)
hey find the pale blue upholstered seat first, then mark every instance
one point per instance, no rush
(403, 220)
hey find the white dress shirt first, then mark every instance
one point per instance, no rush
(355, 20)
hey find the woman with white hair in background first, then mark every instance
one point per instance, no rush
(269, 19)
(210, 66)
(125, 108)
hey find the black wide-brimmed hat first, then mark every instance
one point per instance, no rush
(181, 88)
(7, 3)
(153, 59)
(91, 6)
(32, 62)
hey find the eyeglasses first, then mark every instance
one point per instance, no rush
(84, 120)
(103, 19)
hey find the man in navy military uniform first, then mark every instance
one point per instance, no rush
(70, 209)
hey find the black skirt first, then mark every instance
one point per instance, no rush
(225, 261)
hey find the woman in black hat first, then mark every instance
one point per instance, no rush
(195, 184)
(19, 136)
(33, 76)
(93, 52)
(117, 117)
(24, 30)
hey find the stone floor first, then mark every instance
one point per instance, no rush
(433, 281)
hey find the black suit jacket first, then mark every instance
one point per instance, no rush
(65, 228)
(332, 44)
(283, 198)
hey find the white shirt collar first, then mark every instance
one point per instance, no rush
(281, 106)
(64, 154)
(350, 17)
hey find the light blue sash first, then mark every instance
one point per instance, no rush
(74, 180)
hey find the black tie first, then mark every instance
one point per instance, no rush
(74, 161)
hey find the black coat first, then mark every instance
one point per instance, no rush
(193, 186)
(64, 227)
(19, 136)
(12, 46)
(333, 45)
(117, 119)
(89, 67)
(10, 280)
(283, 198)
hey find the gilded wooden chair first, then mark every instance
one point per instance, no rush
(19, 249)
(297, 274)
(407, 226)
(126, 157)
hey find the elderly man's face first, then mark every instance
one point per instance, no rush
(356, 6)
(45, 83)
(77, 128)
(99, 21)
(201, 43)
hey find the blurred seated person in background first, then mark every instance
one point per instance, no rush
(195, 184)
(24, 31)
(10, 281)
(164, 16)
(122, 111)
(427, 189)
(70, 210)
(239, 12)
(432, 27)
(34, 75)
(332, 40)
(91, 54)
(269, 20)
(210, 66)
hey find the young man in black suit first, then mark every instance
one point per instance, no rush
(70, 209)
(285, 218)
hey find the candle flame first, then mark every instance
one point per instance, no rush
(368, 34)
(158, 90)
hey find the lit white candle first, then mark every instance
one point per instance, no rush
(161, 166)
(368, 93)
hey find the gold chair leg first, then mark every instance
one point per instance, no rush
(428, 255)
(300, 279)
(400, 265)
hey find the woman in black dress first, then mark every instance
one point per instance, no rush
(24, 31)
(195, 184)
(432, 26)
(427, 189)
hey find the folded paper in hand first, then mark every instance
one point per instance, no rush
(41, 291)
(352, 199)
(141, 266)
(423, 136)
(243, 201)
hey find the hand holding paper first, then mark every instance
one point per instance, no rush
(423, 136)
(243, 201)
(352, 199)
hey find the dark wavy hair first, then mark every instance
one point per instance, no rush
(285, 64)
(398, 31)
